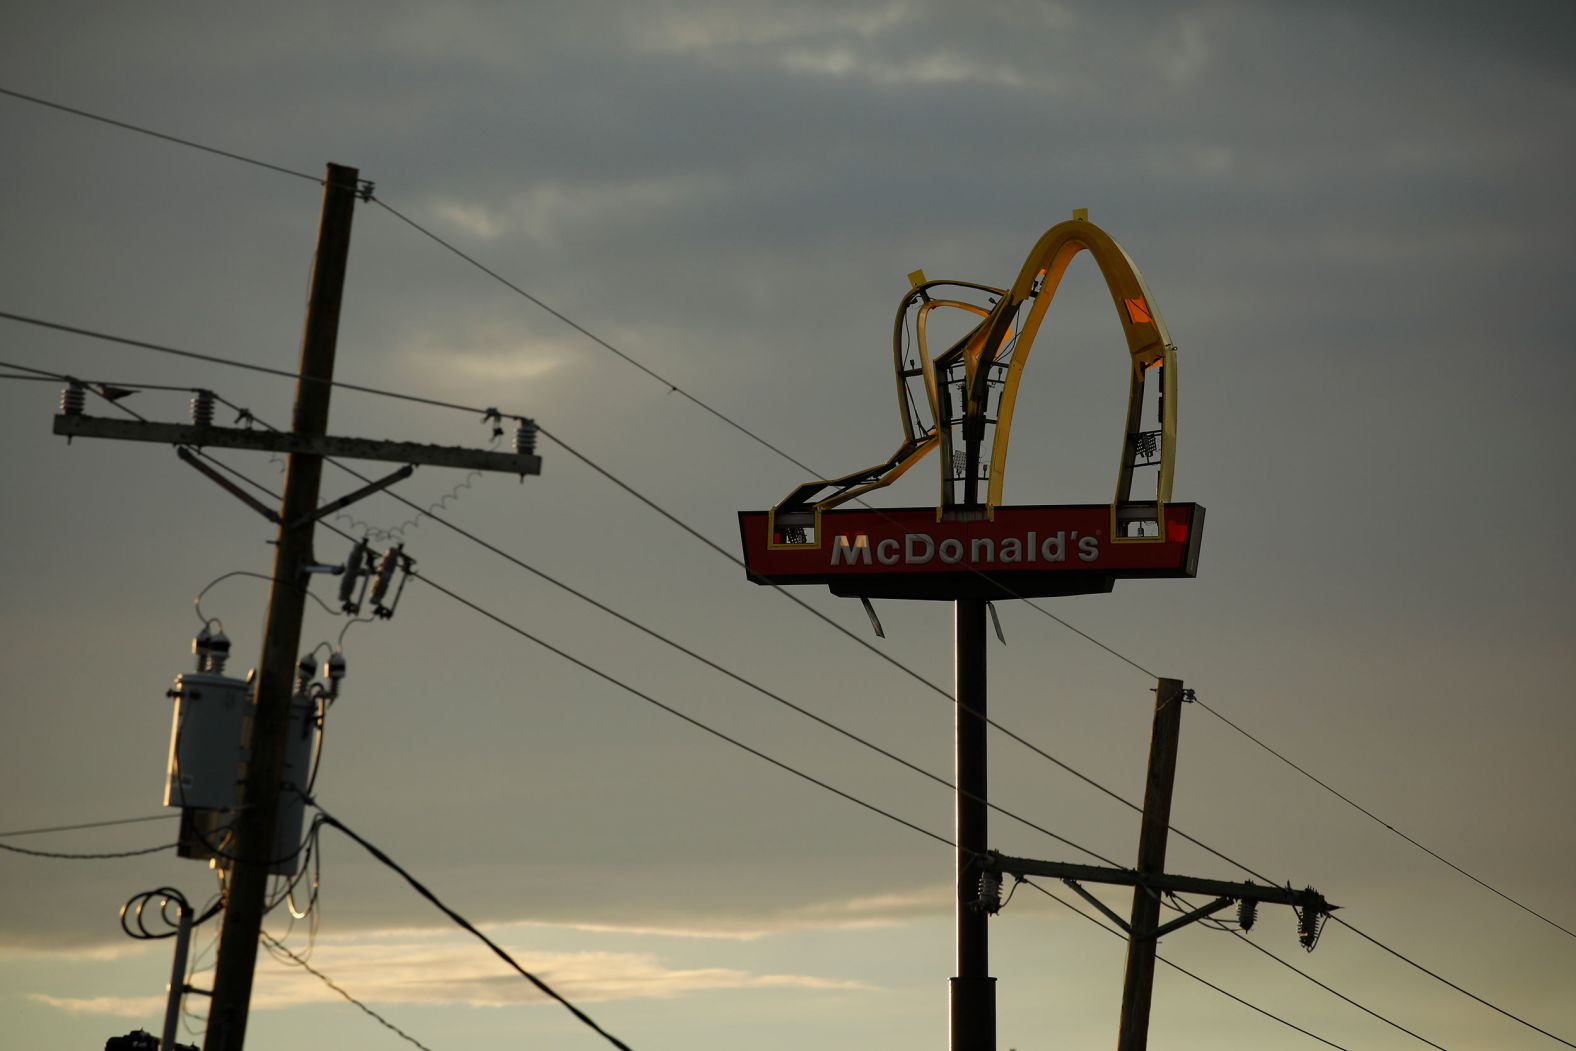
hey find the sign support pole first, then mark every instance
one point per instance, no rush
(973, 999)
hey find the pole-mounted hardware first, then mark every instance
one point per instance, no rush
(273, 704)
(1309, 903)
(1150, 881)
(78, 425)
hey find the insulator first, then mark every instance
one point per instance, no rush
(385, 574)
(1310, 920)
(355, 565)
(202, 409)
(334, 667)
(1247, 912)
(218, 652)
(200, 647)
(306, 670)
(525, 437)
(990, 892)
(73, 399)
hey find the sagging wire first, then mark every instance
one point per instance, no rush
(281, 952)
(397, 533)
(197, 602)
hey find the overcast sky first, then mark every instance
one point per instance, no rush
(1357, 220)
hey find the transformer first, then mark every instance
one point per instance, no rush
(206, 749)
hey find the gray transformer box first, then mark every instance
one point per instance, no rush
(300, 746)
(206, 750)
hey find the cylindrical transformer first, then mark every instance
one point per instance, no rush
(205, 741)
(300, 742)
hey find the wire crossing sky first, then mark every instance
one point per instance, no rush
(729, 200)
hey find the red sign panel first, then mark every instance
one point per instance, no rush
(1023, 552)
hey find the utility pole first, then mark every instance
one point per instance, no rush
(1149, 880)
(1138, 984)
(251, 853)
(254, 838)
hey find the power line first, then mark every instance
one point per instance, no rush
(81, 857)
(1375, 817)
(866, 645)
(1436, 975)
(784, 766)
(621, 684)
(723, 670)
(700, 725)
(466, 925)
(276, 945)
(501, 621)
(685, 526)
(140, 130)
(215, 359)
(86, 824)
(854, 799)
(1178, 967)
(1334, 992)
(695, 655)
(675, 388)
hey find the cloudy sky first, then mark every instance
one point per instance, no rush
(1357, 220)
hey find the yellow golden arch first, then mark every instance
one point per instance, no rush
(971, 390)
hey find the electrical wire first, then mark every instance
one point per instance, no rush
(214, 359)
(674, 388)
(430, 513)
(140, 130)
(276, 946)
(617, 682)
(84, 857)
(675, 712)
(1178, 967)
(86, 824)
(679, 522)
(626, 687)
(1335, 992)
(731, 674)
(197, 602)
(730, 421)
(1381, 821)
(869, 647)
(467, 926)
(1436, 975)
(673, 518)
(839, 792)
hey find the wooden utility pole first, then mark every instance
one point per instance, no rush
(1144, 929)
(259, 801)
(1139, 983)
(251, 853)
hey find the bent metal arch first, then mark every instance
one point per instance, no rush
(961, 403)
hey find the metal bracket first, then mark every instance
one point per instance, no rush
(350, 498)
(1077, 889)
(875, 621)
(228, 486)
(1188, 917)
(991, 606)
